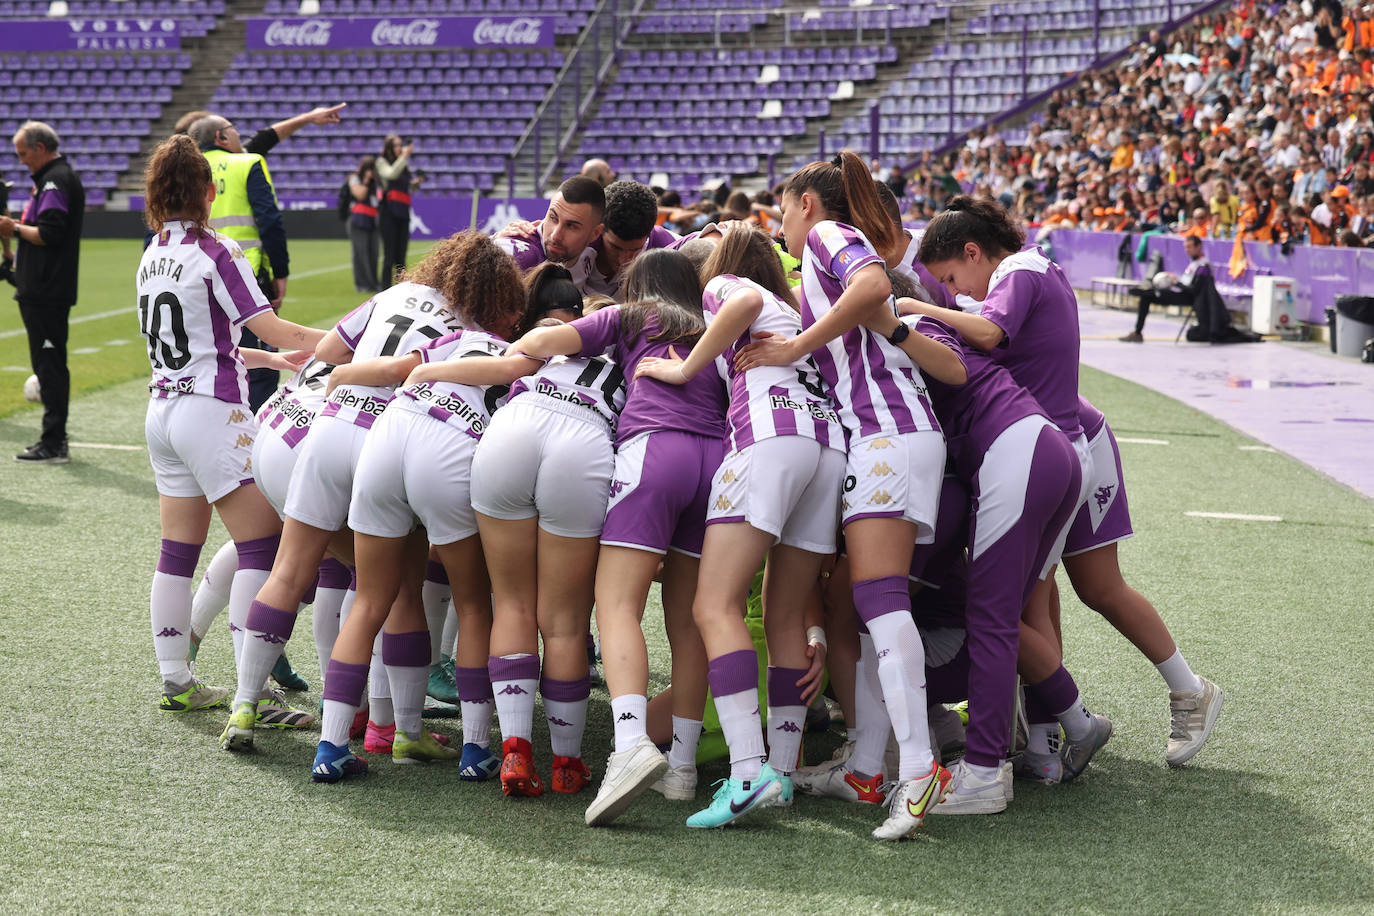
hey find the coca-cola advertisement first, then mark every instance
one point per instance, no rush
(77, 33)
(401, 32)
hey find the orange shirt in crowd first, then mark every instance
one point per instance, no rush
(1201, 231)
(1259, 217)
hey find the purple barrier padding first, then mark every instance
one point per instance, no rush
(402, 32)
(80, 34)
(439, 217)
(1322, 273)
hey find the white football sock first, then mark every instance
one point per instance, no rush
(448, 643)
(686, 736)
(435, 596)
(630, 715)
(1077, 721)
(514, 695)
(408, 684)
(743, 730)
(324, 623)
(1178, 675)
(902, 674)
(336, 722)
(567, 722)
(212, 594)
(871, 724)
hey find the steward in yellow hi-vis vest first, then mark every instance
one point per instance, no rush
(245, 206)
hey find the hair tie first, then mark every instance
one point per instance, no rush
(838, 161)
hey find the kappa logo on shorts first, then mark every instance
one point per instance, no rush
(881, 498)
(729, 477)
(236, 416)
(723, 505)
(881, 469)
(243, 441)
(248, 466)
(882, 442)
(1104, 495)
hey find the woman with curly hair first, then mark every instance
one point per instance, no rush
(416, 467)
(414, 312)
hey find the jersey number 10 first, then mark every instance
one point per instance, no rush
(162, 354)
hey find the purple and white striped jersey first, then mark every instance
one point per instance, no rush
(876, 387)
(928, 288)
(292, 409)
(772, 400)
(594, 382)
(466, 407)
(195, 291)
(1031, 300)
(397, 320)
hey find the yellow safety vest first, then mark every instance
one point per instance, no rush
(231, 213)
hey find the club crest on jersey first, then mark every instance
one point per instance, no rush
(880, 443)
(881, 498)
(881, 469)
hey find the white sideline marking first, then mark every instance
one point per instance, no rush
(1142, 441)
(85, 351)
(106, 445)
(130, 311)
(115, 343)
(1236, 516)
(1257, 448)
(16, 368)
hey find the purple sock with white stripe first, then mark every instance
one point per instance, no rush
(565, 706)
(734, 680)
(170, 609)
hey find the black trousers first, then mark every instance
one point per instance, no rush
(395, 232)
(47, 329)
(1162, 296)
(262, 383)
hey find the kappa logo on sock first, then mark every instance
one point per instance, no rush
(511, 690)
(235, 629)
(271, 638)
(562, 723)
(676, 739)
(1104, 495)
(168, 632)
(627, 717)
(788, 726)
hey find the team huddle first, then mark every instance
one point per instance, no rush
(530, 426)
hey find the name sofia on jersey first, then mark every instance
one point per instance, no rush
(819, 411)
(451, 404)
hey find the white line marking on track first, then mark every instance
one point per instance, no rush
(1257, 448)
(108, 446)
(1236, 516)
(1142, 441)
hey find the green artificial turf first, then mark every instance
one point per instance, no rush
(107, 804)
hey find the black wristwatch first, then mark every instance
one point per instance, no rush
(902, 333)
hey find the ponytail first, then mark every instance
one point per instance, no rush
(980, 220)
(176, 181)
(845, 190)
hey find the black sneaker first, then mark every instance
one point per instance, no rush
(44, 454)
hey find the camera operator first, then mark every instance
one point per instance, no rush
(393, 169)
(362, 224)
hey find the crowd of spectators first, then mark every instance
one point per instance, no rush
(1254, 121)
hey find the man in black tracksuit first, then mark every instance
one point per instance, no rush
(45, 267)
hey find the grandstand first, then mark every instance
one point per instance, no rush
(724, 89)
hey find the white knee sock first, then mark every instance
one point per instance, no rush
(902, 674)
(514, 679)
(686, 737)
(630, 715)
(169, 606)
(212, 594)
(1178, 675)
(871, 724)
